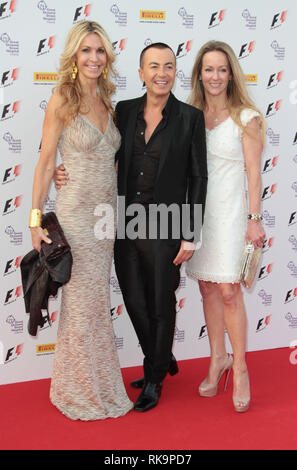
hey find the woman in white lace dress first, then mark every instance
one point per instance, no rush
(234, 131)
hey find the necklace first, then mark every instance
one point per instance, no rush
(216, 119)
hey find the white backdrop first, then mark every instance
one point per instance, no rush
(32, 37)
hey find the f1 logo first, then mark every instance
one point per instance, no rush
(12, 265)
(11, 8)
(216, 18)
(12, 295)
(268, 191)
(11, 173)
(268, 243)
(45, 45)
(183, 47)
(265, 271)
(278, 19)
(9, 77)
(9, 110)
(269, 164)
(12, 204)
(246, 49)
(291, 295)
(292, 218)
(78, 12)
(14, 352)
(275, 77)
(273, 108)
(2, 8)
(203, 332)
(119, 46)
(263, 323)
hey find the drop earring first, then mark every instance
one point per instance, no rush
(104, 73)
(74, 70)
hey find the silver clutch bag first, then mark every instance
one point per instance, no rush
(249, 264)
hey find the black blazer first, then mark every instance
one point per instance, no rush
(182, 173)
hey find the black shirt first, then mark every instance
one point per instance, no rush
(145, 159)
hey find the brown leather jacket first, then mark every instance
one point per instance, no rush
(41, 277)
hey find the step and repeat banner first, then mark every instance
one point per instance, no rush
(32, 37)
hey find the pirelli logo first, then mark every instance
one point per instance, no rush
(45, 348)
(251, 78)
(152, 15)
(45, 77)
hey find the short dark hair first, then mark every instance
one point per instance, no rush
(156, 45)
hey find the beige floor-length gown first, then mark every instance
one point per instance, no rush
(86, 381)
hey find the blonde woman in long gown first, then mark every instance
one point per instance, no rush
(86, 381)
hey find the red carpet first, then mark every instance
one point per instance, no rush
(182, 419)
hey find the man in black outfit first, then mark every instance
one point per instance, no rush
(162, 160)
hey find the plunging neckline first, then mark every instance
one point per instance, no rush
(94, 126)
(215, 127)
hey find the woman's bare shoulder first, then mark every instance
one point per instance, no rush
(57, 106)
(56, 100)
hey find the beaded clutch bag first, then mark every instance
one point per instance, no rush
(249, 264)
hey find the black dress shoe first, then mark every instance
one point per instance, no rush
(173, 369)
(138, 383)
(149, 397)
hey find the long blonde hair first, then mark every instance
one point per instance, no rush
(71, 89)
(237, 95)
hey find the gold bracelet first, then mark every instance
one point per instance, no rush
(35, 218)
(255, 217)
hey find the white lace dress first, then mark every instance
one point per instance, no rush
(225, 221)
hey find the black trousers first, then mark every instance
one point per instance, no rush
(148, 280)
